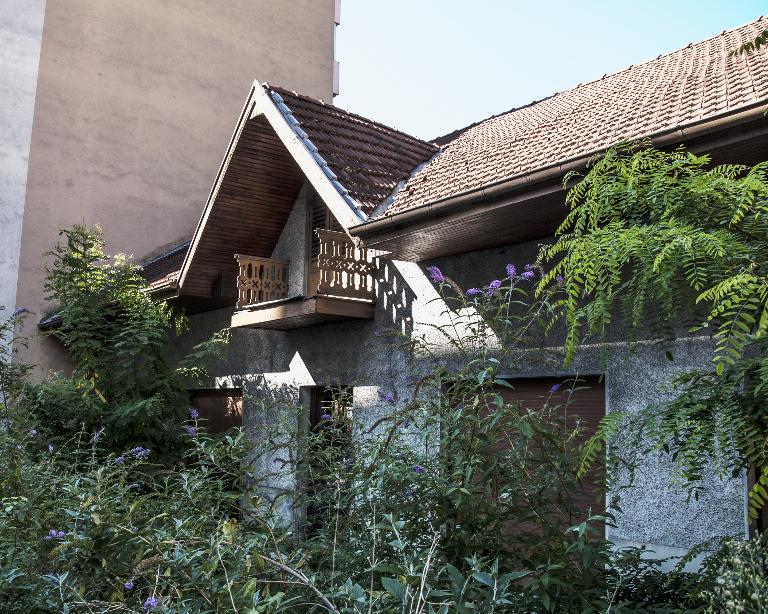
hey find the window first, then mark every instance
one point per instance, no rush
(328, 453)
(220, 408)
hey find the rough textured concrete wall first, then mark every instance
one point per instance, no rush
(135, 107)
(293, 242)
(21, 29)
(361, 354)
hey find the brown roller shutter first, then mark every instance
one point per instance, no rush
(586, 407)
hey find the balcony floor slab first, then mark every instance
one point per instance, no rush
(302, 312)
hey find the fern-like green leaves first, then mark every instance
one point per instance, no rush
(665, 245)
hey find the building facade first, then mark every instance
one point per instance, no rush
(118, 108)
(319, 229)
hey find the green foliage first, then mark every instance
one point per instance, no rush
(750, 46)
(453, 501)
(118, 338)
(659, 245)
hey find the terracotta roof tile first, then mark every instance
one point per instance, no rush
(685, 86)
(368, 159)
(164, 269)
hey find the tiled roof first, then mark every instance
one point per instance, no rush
(694, 83)
(367, 158)
(164, 269)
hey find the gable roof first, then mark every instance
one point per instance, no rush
(692, 84)
(366, 158)
(369, 174)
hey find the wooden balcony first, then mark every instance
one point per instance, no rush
(339, 286)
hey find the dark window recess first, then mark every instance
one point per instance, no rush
(323, 219)
(329, 451)
(220, 408)
(759, 524)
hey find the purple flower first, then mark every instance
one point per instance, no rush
(511, 271)
(325, 416)
(528, 275)
(529, 267)
(555, 388)
(140, 452)
(559, 278)
(191, 430)
(474, 291)
(193, 413)
(435, 274)
(418, 469)
(493, 287)
(150, 604)
(389, 397)
(129, 585)
(54, 534)
(120, 460)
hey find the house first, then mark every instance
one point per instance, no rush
(320, 224)
(112, 115)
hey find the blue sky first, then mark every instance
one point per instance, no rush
(430, 66)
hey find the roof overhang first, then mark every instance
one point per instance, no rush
(267, 162)
(531, 205)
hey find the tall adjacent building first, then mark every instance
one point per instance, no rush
(115, 113)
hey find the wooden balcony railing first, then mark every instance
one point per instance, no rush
(342, 269)
(260, 280)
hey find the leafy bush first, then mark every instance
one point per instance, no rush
(123, 383)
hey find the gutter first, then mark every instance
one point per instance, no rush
(463, 200)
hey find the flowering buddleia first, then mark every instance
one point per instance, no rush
(493, 287)
(474, 292)
(150, 604)
(193, 413)
(527, 275)
(511, 271)
(435, 274)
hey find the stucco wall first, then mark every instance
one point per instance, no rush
(362, 354)
(21, 28)
(135, 105)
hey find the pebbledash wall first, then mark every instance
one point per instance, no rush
(274, 365)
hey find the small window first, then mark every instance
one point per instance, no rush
(220, 408)
(330, 449)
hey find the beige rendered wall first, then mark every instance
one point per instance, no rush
(135, 105)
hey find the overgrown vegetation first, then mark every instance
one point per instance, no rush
(114, 497)
(665, 242)
(123, 383)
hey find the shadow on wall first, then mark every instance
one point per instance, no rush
(395, 296)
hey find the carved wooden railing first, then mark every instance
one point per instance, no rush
(342, 268)
(260, 280)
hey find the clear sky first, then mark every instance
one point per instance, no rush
(428, 67)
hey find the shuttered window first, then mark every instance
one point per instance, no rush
(585, 406)
(323, 219)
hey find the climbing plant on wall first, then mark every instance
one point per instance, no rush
(671, 245)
